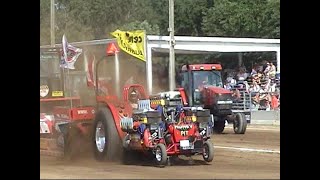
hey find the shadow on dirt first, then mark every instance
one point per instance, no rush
(150, 161)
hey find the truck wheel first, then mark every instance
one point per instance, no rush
(161, 155)
(219, 126)
(106, 141)
(240, 123)
(207, 151)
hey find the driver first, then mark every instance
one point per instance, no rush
(133, 98)
(200, 81)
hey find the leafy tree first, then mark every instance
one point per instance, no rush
(137, 25)
(245, 18)
(189, 16)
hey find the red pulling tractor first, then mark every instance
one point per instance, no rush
(159, 125)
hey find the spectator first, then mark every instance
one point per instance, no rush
(255, 88)
(227, 85)
(267, 69)
(254, 70)
(265, 95)
(230, 83)
(242, 75)
(274, 102)
(272, 71)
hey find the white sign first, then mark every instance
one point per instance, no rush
(82, 111)
(44, 90)
(184, 143)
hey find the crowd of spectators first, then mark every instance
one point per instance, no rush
(262, 83)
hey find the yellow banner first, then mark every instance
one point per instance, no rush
(132, 42)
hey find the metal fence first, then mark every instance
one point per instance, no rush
(246, 101)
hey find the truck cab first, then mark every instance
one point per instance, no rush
(204, 87)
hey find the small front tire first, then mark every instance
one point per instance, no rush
(161, 155)
(207, 151)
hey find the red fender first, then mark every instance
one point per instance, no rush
(116, 116)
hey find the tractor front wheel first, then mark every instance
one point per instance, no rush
(161, 155)
(207, 151)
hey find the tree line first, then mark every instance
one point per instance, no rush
(83, 20)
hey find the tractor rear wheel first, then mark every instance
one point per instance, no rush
(106, 140)
(240, 123)
(207, 151)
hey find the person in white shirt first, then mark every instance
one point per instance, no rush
(254, 90)
(272, 71)
(231, 81)
(242, 75)
(267, 69)
(265, 95)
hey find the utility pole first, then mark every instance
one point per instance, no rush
(52, 23)
(172, 74)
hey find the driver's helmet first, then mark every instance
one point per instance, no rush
(133, 97)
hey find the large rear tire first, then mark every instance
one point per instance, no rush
(107, 144)
(240, 123)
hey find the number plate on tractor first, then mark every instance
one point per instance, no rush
(185, 144)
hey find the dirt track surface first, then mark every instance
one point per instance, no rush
(260, 160)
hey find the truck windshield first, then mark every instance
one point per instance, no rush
(211, 78)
